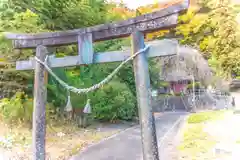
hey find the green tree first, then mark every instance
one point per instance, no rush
(27, 21)
(50, 15)
(215, 32)
(65, 14)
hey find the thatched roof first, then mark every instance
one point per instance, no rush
(189, 62)
(176, 75)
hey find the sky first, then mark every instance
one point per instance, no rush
(133, 4)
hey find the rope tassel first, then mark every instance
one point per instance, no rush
(87, 109)
(68, 107)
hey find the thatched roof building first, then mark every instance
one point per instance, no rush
(175, 75)
(186, 64)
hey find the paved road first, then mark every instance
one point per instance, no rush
(127, 145)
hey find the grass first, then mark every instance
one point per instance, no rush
(205, 116)
(62, 141)
(196, 143)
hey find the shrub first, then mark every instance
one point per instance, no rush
(178, 94)
(18, 109)
(196, 84)
(113, 101)
(78, 101)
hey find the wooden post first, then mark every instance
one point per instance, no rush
(85, 48)
(39, 111)
(146, 117)
(85, 52)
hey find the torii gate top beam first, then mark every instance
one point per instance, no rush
(164, 18)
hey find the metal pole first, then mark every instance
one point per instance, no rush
(194, 97)
(39, 110)
(146, 117)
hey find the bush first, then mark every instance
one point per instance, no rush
(18, 109)
(113, 101)
(178, 94)
(78, 101)
(196, 84)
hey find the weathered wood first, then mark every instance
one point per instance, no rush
(106, 34)
(142, 81)
(82, 120)
(85, 48)
(39, 111)
(158, 48)
(164, 18)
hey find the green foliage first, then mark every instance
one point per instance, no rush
(11, 80)
(65, 14)
(38, 16)
(32, 16)
(154, 70)
(216, 33)
(57, 95)
(18, 109)
(113, 101)
(196, 84)
(178, 94)
(163, 84)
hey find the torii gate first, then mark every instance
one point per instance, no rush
(136, 27)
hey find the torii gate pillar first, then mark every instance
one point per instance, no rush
(39, 109)
(142, 80)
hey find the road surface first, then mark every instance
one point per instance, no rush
(127, 144)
